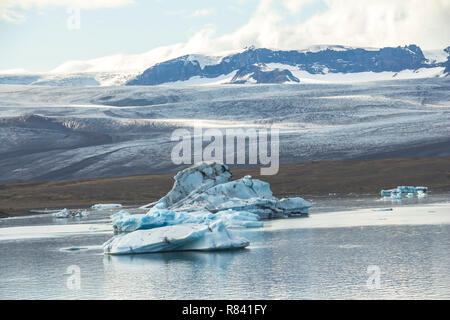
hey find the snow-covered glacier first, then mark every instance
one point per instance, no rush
(60, 133)
(196, 213)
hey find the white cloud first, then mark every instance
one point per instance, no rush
(294, 6)
(9, 15)
(368, 23)
(197, 13)
(8, 8)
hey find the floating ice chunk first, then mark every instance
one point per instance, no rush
(155, 218)
(70, 214)
(421, 194)
(396, 196)
(294, 205)
(382, 209)
(398, 192)
(207, 186)
(175, 238)
(62, 214)
(195, 213)
(106, 206)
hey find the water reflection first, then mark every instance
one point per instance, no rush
(220, 259)
(280, 263)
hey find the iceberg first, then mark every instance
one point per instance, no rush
(62, 214)
(204, 193)
(197, 211)
(123, 221)
(106, 206)
(70, 214)
(207, 186)
(401, 191)
(182, 237)
(421, 194)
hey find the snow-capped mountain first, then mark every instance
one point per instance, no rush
(260, 65)
(329, 64)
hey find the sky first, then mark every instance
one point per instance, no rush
(71, 35)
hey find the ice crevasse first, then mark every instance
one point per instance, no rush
(203, 196)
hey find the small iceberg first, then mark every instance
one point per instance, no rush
(401, 191)
(62, 214)
(70, 214)
(421, 194)
(182, 237)
(106, 206)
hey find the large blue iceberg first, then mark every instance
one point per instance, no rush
(203, 195)
(180, 237)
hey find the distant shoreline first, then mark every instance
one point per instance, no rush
(317, 178)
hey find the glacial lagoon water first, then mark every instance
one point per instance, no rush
(299, 258)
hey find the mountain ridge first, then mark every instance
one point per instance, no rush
(251, 65)
(321, 63)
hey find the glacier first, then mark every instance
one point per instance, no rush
(63, 133)
(202, 199)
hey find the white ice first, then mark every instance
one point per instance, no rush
(123, 221)
(203, 194)
(62, 214)
(202, 199)
(408, 191)
(70, 214)
(175, 238)
(208, 186)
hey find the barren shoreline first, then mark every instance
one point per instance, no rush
(318, 178)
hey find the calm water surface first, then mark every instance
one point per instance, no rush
(294, 263)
